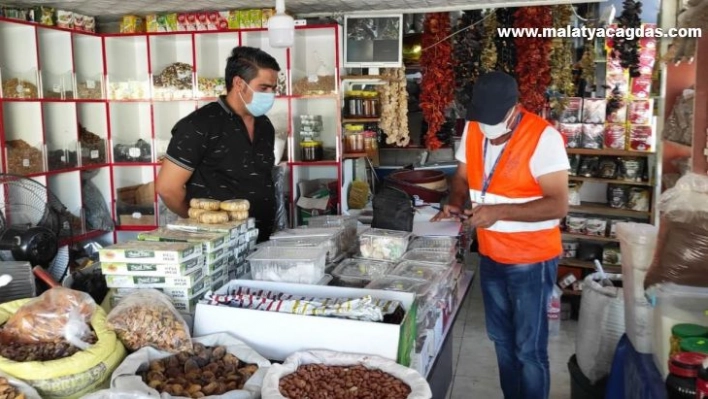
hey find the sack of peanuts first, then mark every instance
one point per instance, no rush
(330, 374)
(12, 388)
(219, 366)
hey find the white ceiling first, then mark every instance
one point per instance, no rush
(114, 8)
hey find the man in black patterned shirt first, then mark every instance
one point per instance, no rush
(224, 150)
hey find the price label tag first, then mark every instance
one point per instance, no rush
(90, 84)
(137, 215)
(63, 158)
(20, 89)
(134, 152)
(26, 163)
(313, 79)
(56, 88)
(94, 154)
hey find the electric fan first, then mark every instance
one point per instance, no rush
(32, 221)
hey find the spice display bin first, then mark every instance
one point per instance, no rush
(62, 156)
(19, 85)
(360, 272)
(288, 265)
(23, 159)
(384, 244)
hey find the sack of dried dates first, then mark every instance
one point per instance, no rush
(338, 375)
(58, 368)
(11, 388)
(218, 366)
(147, 317)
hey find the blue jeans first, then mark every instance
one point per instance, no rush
(515, 306)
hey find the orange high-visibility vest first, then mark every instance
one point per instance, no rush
(512, 242)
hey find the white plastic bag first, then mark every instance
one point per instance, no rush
(126, 379)
(600, 326)
(271, 385)
(28, 391)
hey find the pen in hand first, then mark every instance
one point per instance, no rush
(459, 215)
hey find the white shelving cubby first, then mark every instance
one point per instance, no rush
(127, 77)
(165, 116)
(56, 63)
(166, 51)
(19, 69)
(130, 123)
(88, 67)
(211, 52)
(60, 135)
(24, 137)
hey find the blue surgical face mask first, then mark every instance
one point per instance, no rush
(260, 103)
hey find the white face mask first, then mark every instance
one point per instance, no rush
(492, 132)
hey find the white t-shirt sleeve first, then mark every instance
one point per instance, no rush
(461, 153)
(550, 155)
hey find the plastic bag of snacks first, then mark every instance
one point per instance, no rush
(70, 377)
(218, 366)
(147, 317)
(682, 247)
(60, 314)
(303, 374)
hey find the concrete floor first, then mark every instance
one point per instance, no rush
(474, 360)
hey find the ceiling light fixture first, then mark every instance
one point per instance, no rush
(281, 27)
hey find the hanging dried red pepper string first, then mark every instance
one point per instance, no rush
(437, 90)
(533, 56)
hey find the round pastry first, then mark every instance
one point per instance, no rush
(238, 215)
(212, 217)
(195, 212)
(235, 205)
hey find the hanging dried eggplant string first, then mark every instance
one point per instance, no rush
(489, 54)
(394, 107)
(437, 91)
(467, 54)
(532, 69)
(627, 51)
(506, 51)
(562, 85)
(615, 101)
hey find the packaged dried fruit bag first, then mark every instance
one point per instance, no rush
(615, 136)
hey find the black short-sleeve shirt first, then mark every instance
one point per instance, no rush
(212, 142)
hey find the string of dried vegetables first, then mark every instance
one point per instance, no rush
(437, 86)
(627, 51)
(562, 85)
(506, 48)
(587, 64)
(489, 54)
(394, 107)
(467, 55)
(533, 69)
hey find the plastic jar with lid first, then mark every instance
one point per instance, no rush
(683, 370)
(354, 104)
(695, 344)
(370, 100)
(682, 331)
(311, 151)
(353, 138)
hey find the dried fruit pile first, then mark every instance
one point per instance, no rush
(41, 351)
(437, 87)
(7, 391)
(627, 51)
(394, 107)
(468, 56)
(506, 46)
(336, 382)
(561, 61)
(205, 371)
(533, 55)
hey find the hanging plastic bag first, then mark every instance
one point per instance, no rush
(682, 247)
(60, 314)
(280, 184)
(147, 317)
(419, 388)
(128, 382)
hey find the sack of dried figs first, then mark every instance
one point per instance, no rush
(147, 318)
(219, 366)
(305, 374)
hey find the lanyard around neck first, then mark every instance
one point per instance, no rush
(487, 177)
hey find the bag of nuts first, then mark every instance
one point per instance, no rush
(12, 388)
(147, 317)
(304, 374)
(216, 351)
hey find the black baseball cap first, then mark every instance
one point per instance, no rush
(493, 95)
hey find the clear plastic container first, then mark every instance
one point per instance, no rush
(434, 243)
(327, 244)
(421, 271)
(349, 223)
(335, 234)
(360, 272)
(383, 244)
(394, 283)
(288, 264)
(441, 257)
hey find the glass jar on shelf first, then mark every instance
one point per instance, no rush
(353, 138)
(371, 146)
(354, 104)
(311, 151)
(370, 100)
